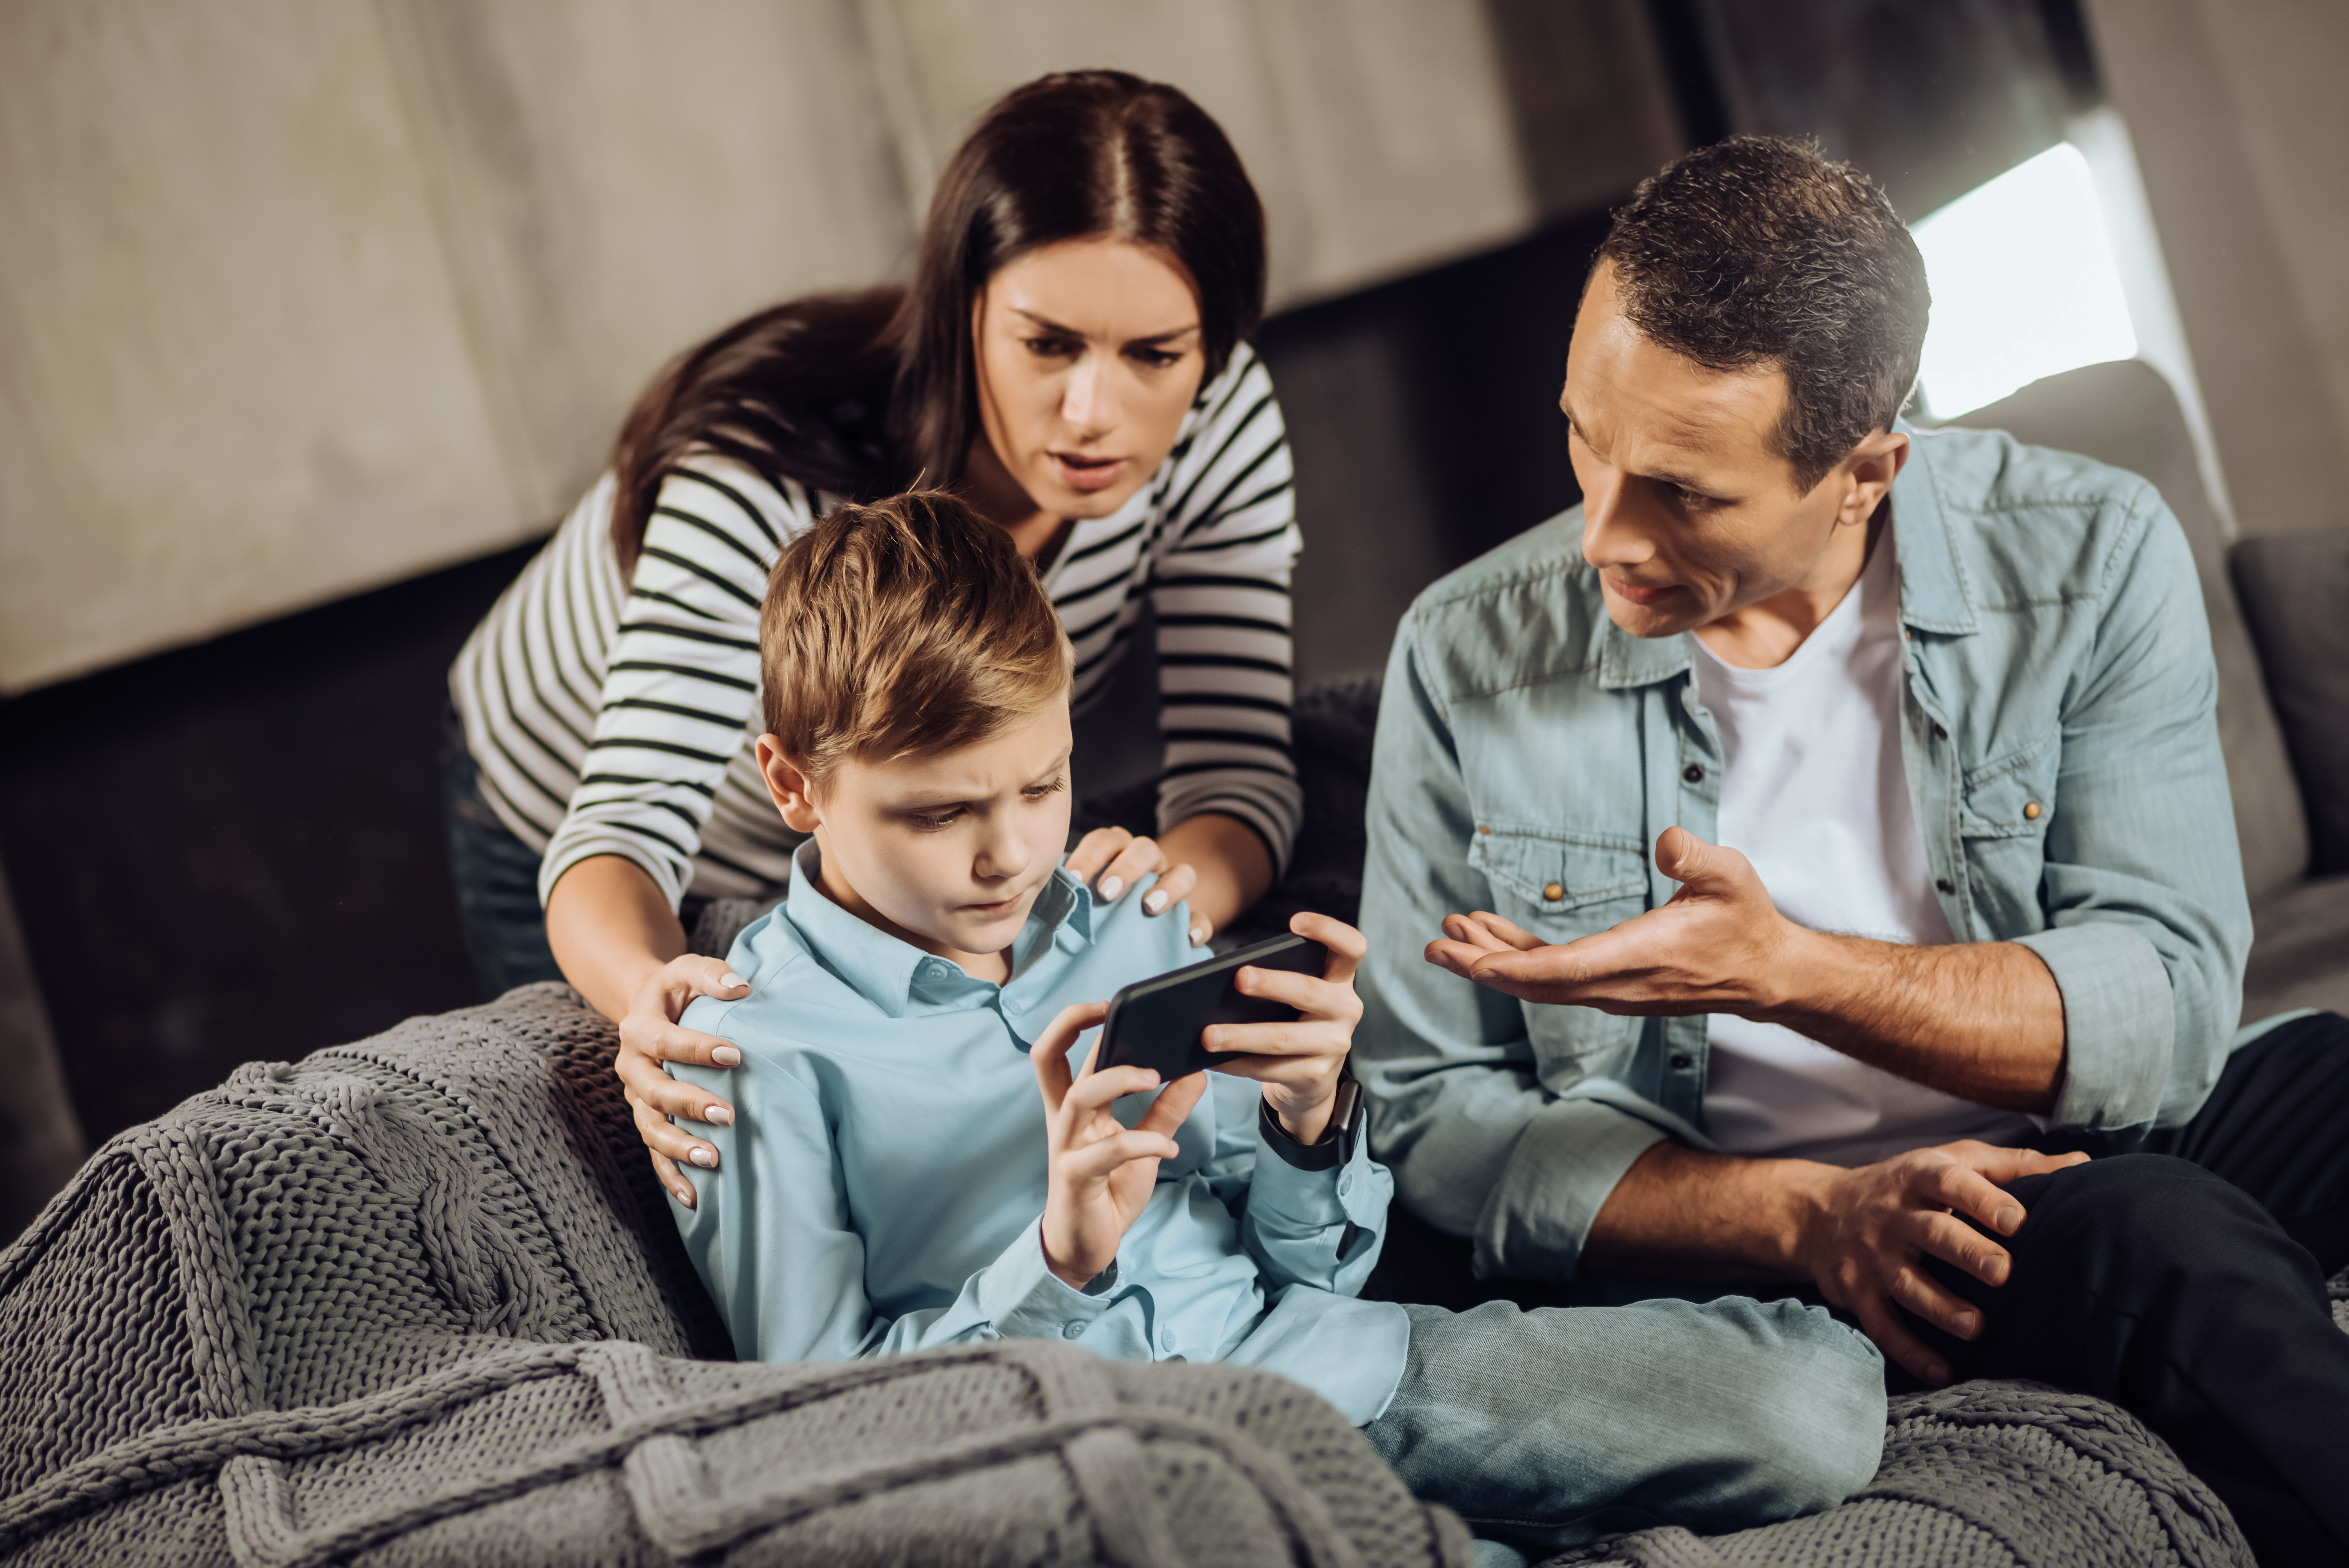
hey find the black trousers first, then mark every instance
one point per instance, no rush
(2185, 1281)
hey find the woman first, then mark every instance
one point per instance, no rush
(1070, 356)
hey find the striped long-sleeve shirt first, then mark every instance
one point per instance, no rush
(616, 716)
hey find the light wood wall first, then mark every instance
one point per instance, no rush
(298, 298)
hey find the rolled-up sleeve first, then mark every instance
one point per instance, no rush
(1478, 1147)
(2147, 922)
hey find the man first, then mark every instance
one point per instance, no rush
(1948, 694)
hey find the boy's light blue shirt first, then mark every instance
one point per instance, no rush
(883, 1187)
(2062, 754)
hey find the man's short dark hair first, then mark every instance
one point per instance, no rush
(1757, 251)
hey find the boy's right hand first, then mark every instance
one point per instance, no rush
(1102, 1173)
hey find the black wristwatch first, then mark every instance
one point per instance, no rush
(1336, 1144)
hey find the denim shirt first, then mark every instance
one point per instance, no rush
(882, 1188)
(2059, 732)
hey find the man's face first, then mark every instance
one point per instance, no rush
(948, 851)
(1089, 356)
(1688, 514)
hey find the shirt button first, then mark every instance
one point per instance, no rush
(1073, 1331)
(1693, 772)
(1944, 885)
(2031, 811)
(1939, 733)
(1682, 1062)
(1482, 828)
(1553, 892)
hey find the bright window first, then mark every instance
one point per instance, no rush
(2024, 284)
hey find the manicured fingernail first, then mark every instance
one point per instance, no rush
(720, 1115)
(726, 1056)
(1111, 887)
(684, 1196)
(1199, 934)
(729, 981)
(705, 1157)
(1152, 902)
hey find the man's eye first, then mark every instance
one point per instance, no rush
(1695, 500)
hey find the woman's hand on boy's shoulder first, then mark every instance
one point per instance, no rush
(1110, 860)
(1300, 1063)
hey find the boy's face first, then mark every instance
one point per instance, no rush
(945, 851)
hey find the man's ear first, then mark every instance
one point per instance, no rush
(792, 794)
(1872, 466)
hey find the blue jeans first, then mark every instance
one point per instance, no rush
(497, 879)
(1561, 1424)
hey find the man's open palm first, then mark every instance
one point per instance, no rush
(1712, 949)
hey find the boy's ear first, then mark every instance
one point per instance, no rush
(788, 786)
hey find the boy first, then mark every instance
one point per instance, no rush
(895, 1180)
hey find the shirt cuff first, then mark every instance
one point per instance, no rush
(1024, 1299)
(2119, 1024)
(1565, 1163)
(1343, 1183)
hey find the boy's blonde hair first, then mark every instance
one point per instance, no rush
(901, 628)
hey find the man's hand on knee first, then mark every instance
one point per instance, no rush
(1866, 1232)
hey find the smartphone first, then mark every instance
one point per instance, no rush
(1156, 1022)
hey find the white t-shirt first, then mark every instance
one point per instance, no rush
(1815, 794)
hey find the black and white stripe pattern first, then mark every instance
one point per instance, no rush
(609, 717)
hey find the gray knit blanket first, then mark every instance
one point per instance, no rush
(419, 1299)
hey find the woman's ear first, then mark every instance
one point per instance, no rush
(793, 796)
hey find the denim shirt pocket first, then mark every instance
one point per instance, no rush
(1561, 886)
(2004, 808)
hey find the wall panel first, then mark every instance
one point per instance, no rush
(232, 378)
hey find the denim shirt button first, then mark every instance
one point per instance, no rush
(1944, 885)
(1693, 772)
(1682, 1061)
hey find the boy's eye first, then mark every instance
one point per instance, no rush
(934, 822)
(1044, 792)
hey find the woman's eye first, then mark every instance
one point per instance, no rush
(1051, 347)
(1155, 359)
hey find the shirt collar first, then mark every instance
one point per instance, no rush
(884, 969)
(1932, 585)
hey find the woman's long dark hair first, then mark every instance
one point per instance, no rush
(856, 394)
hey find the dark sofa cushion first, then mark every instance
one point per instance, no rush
(2294, 590)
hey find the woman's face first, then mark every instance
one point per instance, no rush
(1088, 357)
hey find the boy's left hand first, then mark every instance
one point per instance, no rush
(1298, 1063)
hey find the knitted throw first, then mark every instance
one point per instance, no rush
(420, 1300)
